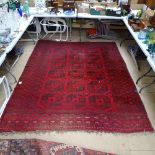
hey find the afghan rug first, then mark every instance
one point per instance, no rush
(41, 147)
(75, 86)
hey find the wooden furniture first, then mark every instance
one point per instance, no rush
(53, 5)
(149, 3)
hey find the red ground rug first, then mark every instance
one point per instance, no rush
(40, 147)
(75, 86)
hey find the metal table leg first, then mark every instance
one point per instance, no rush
(153, 82)
(31, 39)
(145, 74)
(133, 50)
(7, 67)
(70, 29)
(80, 30)
(127, 38)
(69, 23)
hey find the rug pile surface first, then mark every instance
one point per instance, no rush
(75, 86)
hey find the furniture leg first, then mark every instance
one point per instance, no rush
(6, 66)
(143, 75)
(80, 30)
(7, 91)
(127, 38)
(133, 50)
(70, 29)
(103, 28)
(153, 82)
(30, 37)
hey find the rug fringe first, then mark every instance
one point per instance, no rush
(97, 133)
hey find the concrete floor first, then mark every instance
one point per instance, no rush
(122, 144)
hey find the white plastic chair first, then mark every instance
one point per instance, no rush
(58, 26)
(7, 91)
(37, 25)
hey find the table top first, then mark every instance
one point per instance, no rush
(87, 15)
(24, 23)
(2, 58)
(143, 46)
(43, 13)
(135, 36)
(151, 61)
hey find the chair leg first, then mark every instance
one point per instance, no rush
(66, 34)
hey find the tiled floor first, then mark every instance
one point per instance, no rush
(123, 144)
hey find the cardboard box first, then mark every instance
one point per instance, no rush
(83, 7)
(147, 14)
(138, 7)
